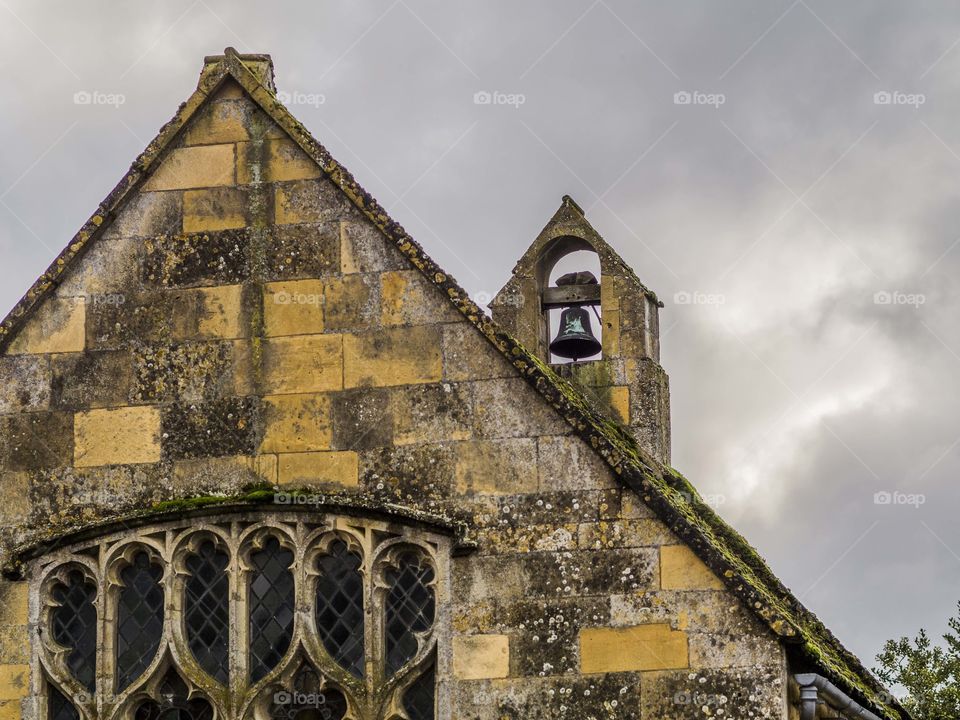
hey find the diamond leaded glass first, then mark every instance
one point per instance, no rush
(339, 611)
(409, 609)
(58, 707)
(419, 700)
(139, 618)
(271, 606)
(206, 609)
(75, 626)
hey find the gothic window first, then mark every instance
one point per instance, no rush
(249, 616)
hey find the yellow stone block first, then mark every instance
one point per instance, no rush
(296, 423)
(13, 603)
(280, 159)
(681, 569)
(195, 167)
(214, 209)
(395, 356)
(303, 364)
(294, 307)
(620, 402)
(222, 121)
(497, 467)
(222, 316)
(116, 437)
(393, 291)
(481, 657)
(640, 647)
(14, 681)
(57, 326)
(342, 468)
(10, 710)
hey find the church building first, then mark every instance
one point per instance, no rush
(260, 457)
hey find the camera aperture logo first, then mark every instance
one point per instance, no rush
(895, 497)
(98, 97)
(695, 97)
(495, 97)
(895, 97)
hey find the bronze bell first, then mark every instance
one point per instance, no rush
(575, 339)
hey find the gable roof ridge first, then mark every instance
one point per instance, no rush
(665, 490)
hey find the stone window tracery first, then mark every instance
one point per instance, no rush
(246, 616)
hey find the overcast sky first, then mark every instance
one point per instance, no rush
(812, 224)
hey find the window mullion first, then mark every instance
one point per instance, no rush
(238, 642)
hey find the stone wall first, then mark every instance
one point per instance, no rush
(241, 322)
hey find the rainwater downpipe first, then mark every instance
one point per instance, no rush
(812, 686)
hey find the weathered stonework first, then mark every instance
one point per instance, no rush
(264, 328)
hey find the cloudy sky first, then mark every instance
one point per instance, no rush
(784, 174)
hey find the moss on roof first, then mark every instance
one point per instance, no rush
(662, 488)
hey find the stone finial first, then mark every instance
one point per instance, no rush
(260, 64)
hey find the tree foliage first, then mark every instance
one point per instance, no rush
(929, 673)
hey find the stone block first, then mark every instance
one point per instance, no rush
(396, 356)
(56, 326)
(479, 657)
(210, 258)
(511, 408)
(468, 355)
(365, 249)
(310, 201)
(24, 383)
(113, 437)
(195, 167)
(296, 423)
(221, 314)
(81, 381)
(274, 160)
(408, 298)
(35, 441)
(303, 364)
(323, 468)
(681, 569)
(14, 681)
(309, 250)
(221, 120)
(213, 429)
(567, 463)
(293, 307)
(497, 466)
(431, 413)
(351, 303)
(641, 647)
(147, 214)
(222, 208)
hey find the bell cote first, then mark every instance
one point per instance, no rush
(602, 334)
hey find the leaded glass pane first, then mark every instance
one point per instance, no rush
(419, 701)
(206, 610)
(58, 707)
(339, 612)
(271, 605)
(410, 607)
(139, 618)
(173, 703)
(75, 626)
